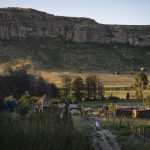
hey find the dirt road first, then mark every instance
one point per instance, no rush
(103, 139)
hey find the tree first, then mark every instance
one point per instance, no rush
(67, 83)
(25, 103)
(13, 84)
(78, 88)
(52, 90)
(146, 102)
(19, 81)
(27, 99)
(91, 86)
(141, 82)
(127, 96)
(100, 89)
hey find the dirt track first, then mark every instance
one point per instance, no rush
(103, 139)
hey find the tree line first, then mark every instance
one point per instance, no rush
(90, 88)
(16, 82)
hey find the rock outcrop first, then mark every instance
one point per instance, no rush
(20, 23)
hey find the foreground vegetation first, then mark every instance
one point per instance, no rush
(40, 131)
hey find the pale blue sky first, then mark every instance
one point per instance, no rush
(103, 11)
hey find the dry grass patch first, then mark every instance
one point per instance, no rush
(107, 79)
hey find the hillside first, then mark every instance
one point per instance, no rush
(71, 44)
(59, 55)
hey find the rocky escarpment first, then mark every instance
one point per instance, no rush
(19, 23)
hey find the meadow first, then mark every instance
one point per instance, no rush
(107, 78)
(122, 94)
(115, 84)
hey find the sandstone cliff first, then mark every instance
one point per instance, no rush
(19, 23)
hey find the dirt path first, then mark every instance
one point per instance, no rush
(103, 139)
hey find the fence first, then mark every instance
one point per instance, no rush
(137, 127)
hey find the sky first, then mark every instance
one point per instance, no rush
(132, 12)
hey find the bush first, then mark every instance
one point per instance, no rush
(128, 95)
(114, 98)
(25, 103)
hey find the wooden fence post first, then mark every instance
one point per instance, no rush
(144, 136)
(120, 121)
(114, 121)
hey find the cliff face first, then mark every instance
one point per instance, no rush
(18, 23)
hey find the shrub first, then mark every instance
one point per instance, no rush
(25, 103)
(114, 98)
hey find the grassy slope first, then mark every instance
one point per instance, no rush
(55, 57)
(59, 55)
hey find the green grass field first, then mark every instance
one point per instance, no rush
(122, 94)
(96, 104)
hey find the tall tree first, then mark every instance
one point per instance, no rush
(91, 86)
(67, 83)
(78, 88)
(52, 90)
(100, 89)
(94, 86)
(88, 87)
(141, 82)
(25, 103)
(18, 81)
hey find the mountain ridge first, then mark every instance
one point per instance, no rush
(59, 43)
(21, 23)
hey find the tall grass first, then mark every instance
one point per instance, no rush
(129, 137)
(43, 131)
